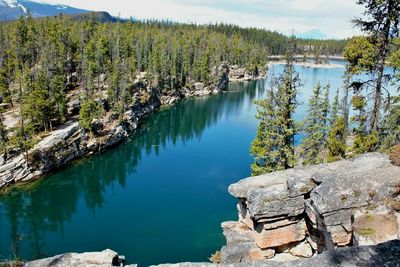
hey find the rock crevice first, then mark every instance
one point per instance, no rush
(304, 211)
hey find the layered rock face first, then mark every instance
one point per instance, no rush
(300, 212)
(71, 141)
(237, 73)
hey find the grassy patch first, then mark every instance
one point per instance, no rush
(372, 194)
(369, 218)
(216, 257)
(365, 231)
(357, 193)
(372, 207)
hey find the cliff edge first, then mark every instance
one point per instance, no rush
(297, 213)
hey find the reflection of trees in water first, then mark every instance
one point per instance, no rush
(188, 119)
(44, 206)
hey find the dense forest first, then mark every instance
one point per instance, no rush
(42, 60)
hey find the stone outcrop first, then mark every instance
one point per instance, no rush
(105, 258)
(303, 211)
(237, 73)
(384, 254)
(71, 141)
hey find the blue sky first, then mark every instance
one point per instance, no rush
(333, 17)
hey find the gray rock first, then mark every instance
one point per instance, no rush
(198, 86)
(236, 232)
(303, 250)
(97, 126)
(300, 181)
(58, 137)
(74, 106)
(105, 258)
(326, 197)
(355, 189)
(385, 254)
(262, 203)
(243, 188)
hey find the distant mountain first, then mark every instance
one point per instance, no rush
(314, 34)
(100, 16)
(13, 9)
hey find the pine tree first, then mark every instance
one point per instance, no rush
(363, 141)
(89, 111)
(58, 98)
(265, 146)
(4, 141)
(337, 133)
(315, 126)
(273, 147)
(345, 103)
(37, 106)
(335, 108)
(337, 140)
(390, 134)
(381, 25)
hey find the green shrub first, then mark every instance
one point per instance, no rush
(89, 111)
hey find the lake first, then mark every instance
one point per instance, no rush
(158, 197)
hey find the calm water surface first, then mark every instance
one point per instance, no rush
(159, 197)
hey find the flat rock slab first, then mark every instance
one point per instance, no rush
(105, 258)
(356, 189)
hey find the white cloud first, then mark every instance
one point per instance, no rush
(332, 17)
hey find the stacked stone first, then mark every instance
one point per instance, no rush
(348, 187)
(271, 218)
(299, 212)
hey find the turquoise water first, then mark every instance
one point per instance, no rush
(159, 197)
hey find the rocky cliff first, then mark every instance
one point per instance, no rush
(71, 141)
(298, 213)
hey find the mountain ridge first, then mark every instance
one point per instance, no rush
(13, 9)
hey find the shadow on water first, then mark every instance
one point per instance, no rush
(42, 218)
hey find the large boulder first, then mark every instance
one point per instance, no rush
(307, 210)
(105, 258)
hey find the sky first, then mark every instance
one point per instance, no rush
(332, 17)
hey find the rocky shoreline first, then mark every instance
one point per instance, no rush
(71, 141)
(310, 65)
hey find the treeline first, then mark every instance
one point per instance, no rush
(322, 47)
(332, 132)
(42, 60)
